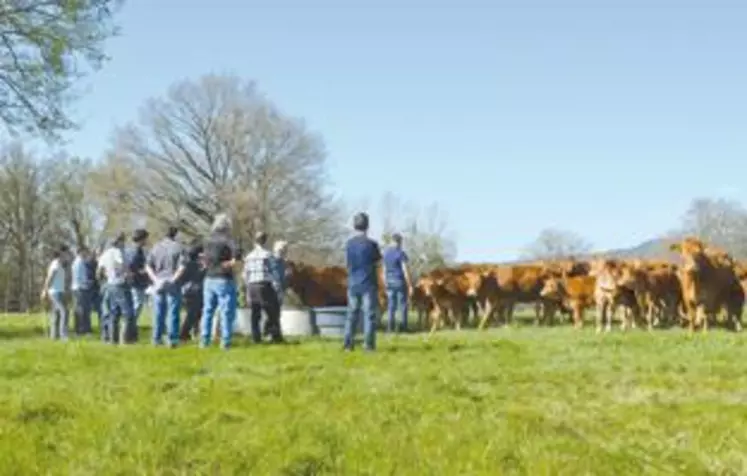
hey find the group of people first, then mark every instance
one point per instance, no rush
(199, 277)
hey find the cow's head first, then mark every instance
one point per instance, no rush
(693, 255)
(553, 289)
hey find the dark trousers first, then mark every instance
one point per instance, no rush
(193, 306)
(262, 296)
(82, 312)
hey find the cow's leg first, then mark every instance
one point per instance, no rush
(624, 319)
(736, 317)
(509, 315)
(650, 314)
(578, 315)
(435, 318)
(486, 312)
(601, 310)
(635, 315)
(702, 318)
(457, 312)
(548, 313)
(609, 312)
(538, 310)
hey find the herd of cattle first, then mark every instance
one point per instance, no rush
(707, 284)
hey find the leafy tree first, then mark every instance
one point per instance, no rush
(46, 47)
(553, 243)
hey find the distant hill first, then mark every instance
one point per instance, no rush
(656, 248)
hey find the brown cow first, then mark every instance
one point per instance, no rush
(575, 293)
(445, 289)
(318, 286)
(661, 293)
(516, 284)
(709, 283)
(617, 285)
(421, 304)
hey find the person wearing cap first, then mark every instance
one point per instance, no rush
(118, 316)
(54, 288)
(219, 287)
(194, 274)
(135, 257)
(362, 256)
(397, 280)
(277, 270)
(165, 266)
(262, 295)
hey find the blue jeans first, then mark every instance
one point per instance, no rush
(82, 313)
(138, 301)
(167, 302)
(59, 317)
(120, 318)
(396, 297)
(96, 301)
(218, 292)
(366, 302)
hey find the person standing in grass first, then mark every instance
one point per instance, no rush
(362, 256)
(278, 270)
(117, 297)
(165, 265)
(82, 286)
(194, 274)
(219, 287)
(91, 264)
(138, 276)
(262, 295)
(54, 288)
(398, 283)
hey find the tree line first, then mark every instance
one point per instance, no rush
(211, 145)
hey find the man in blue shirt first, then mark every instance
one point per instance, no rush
(397, 279)
(362, 256)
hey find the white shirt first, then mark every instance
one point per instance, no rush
(57, 279)
(112, 262)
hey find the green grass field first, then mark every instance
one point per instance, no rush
(527, 400)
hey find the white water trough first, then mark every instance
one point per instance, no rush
(322, 321)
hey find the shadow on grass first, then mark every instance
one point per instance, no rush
(21, 332)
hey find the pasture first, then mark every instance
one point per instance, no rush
(523, 400)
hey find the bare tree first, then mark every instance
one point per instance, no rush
(45, 46)
(111, 186)
(553, 243)
(218, 145)
(72, 201)
(719, 221)
(427, 238)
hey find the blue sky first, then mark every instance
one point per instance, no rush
(590, 116)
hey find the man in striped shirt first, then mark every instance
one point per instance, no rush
(261, 292)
